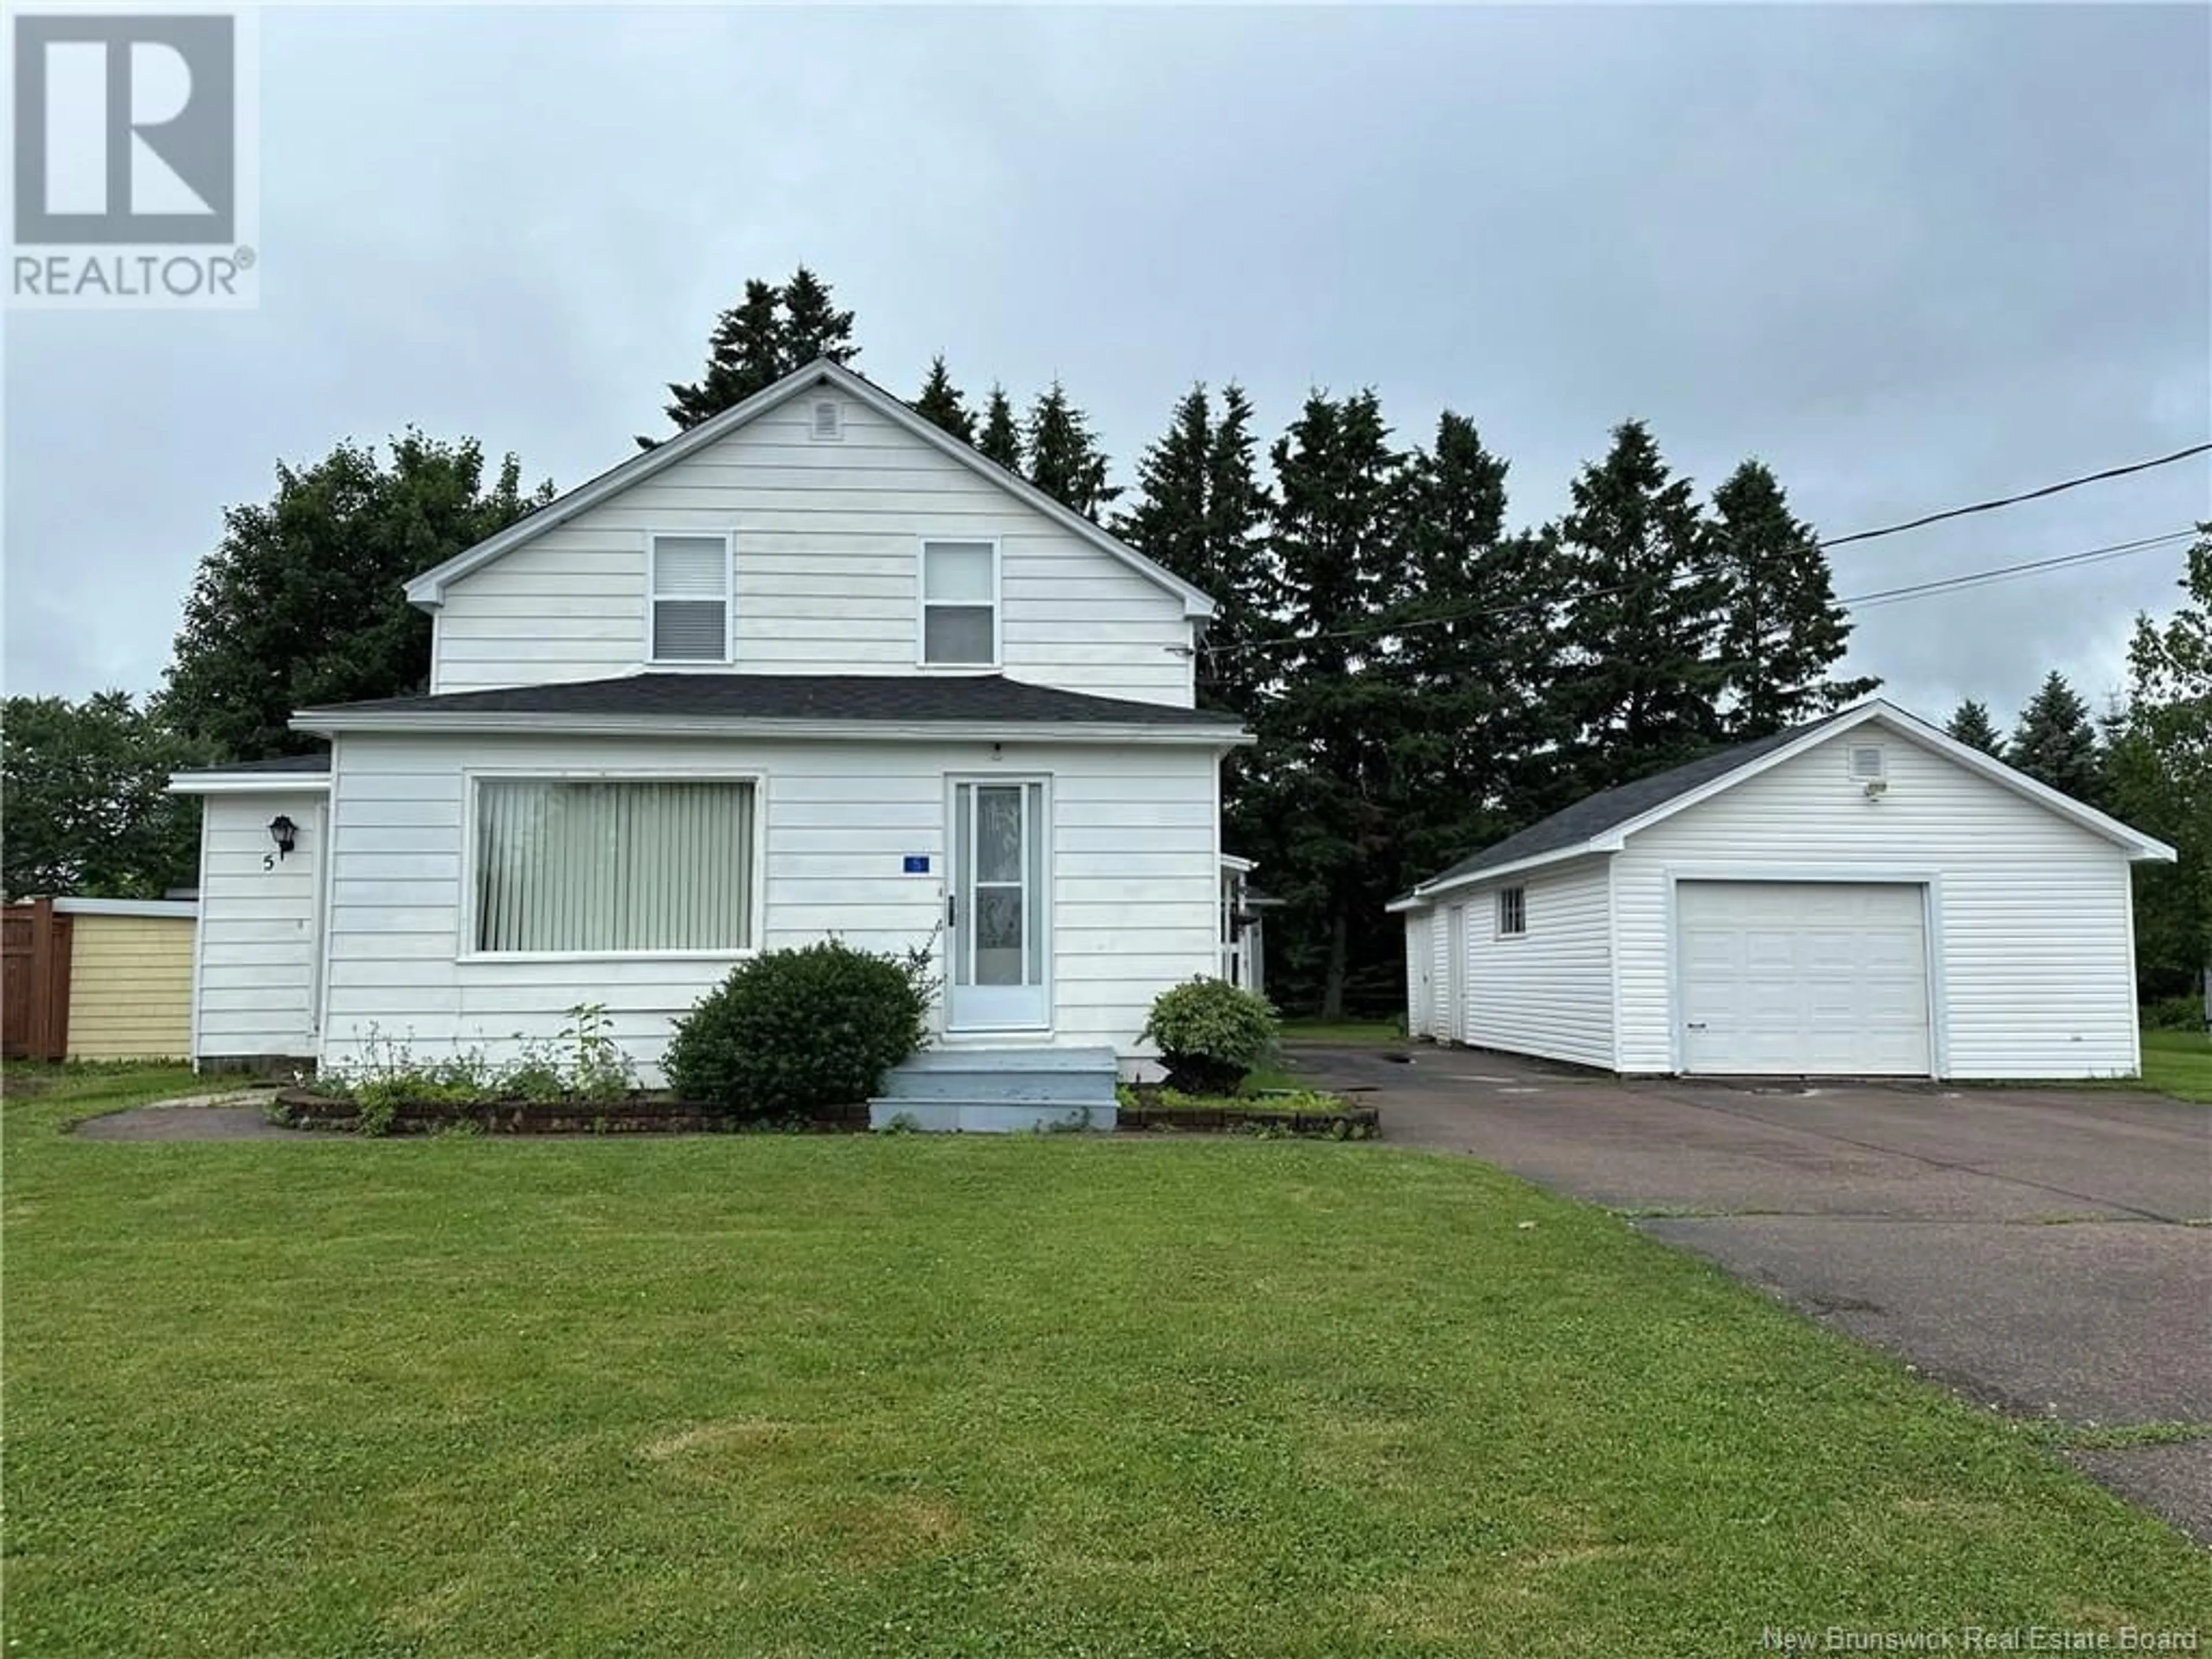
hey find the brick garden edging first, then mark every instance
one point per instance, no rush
(639, 1114)
(1348, 1122)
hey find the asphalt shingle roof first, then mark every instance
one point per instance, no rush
(318, 763)
(1593, 814)
(977, 698)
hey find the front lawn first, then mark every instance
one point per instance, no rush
(2178, 1063)
(911, 1395)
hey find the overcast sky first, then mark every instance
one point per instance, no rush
(1911, 256)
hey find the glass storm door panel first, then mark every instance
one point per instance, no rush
(997, 945)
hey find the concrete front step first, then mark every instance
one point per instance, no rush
(998, 1090)
(988, 1117)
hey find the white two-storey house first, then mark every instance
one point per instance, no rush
(814, 667)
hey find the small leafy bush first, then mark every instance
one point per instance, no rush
(798, 1030)
(2182, 1013)
(1211, 1034)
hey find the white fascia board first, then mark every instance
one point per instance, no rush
(428, 589)
(177, 909)
(249, 783)
(1412, 901)
(490, 724)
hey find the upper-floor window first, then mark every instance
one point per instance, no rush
(691, 598)
(960, 605)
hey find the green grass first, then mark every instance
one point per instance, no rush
(1346, 1033)
(2178, 1063)
(921, 1395)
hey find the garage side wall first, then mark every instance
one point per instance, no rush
(2030, 947)
(1548, 991)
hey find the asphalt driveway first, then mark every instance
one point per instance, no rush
(2047, 1252)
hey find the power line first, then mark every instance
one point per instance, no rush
(2007, 571)
(2025, 495)
(1477, 613)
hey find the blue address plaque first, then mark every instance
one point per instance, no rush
(916, 863)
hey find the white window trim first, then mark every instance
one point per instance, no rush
(729, 540)
(1519, 892)
(464, 934)
(921, 605)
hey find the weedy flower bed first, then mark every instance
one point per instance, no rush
(634, 1114)
(1297, 1112)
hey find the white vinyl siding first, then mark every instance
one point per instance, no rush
(1548, 991)
(826, 576)
(2030, 949)
(599, 865)
(1135, 884)
(690, 619)
(254, 975)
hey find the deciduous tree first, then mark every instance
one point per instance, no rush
(89, 810)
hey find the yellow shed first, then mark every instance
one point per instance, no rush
(130, 978)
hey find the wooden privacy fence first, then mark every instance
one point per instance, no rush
(35, 980)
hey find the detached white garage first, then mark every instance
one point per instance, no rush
(1859, 896)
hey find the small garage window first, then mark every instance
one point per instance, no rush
(1513, 912)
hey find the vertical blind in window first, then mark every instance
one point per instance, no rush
(959, 610)
(691, 598)
(614, 865)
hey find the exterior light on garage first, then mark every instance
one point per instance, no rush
(284, 833)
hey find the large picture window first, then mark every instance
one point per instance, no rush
(599, 865)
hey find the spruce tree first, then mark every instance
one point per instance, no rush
(1000, 439)
(1782, 630)
(1200, 510)
(940, 404)
(773, 330)
(1970, 724)
(2056, 742)
(813, 327)
(1644, 677)
(1065, 460)
(1480, 649)
(744, 354)
(1318, 815)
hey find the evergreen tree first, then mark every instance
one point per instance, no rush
(773, 330)
(1643, 680)
(744, 354)
(1318, 815)
(2056, 742)
(302, 604)
(1970, 724)
(1480, 649)
(1065, 460)
(1782, 630)
(1199, 511)
(940, 404)
(813, 327)
(1000, 439)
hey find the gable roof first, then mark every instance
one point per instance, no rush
(781, 705)
(1602, 822)
(428, 589)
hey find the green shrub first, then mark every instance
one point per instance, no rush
(1211, 1035)
(801, 1030)
(2182, 1013)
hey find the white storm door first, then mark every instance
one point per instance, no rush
(999, 945)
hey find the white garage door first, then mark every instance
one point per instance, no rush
(1824, 978)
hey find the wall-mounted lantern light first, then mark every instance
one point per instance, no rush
(284, 833)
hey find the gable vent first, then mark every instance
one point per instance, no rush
(1866, 763)
(828, 421)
